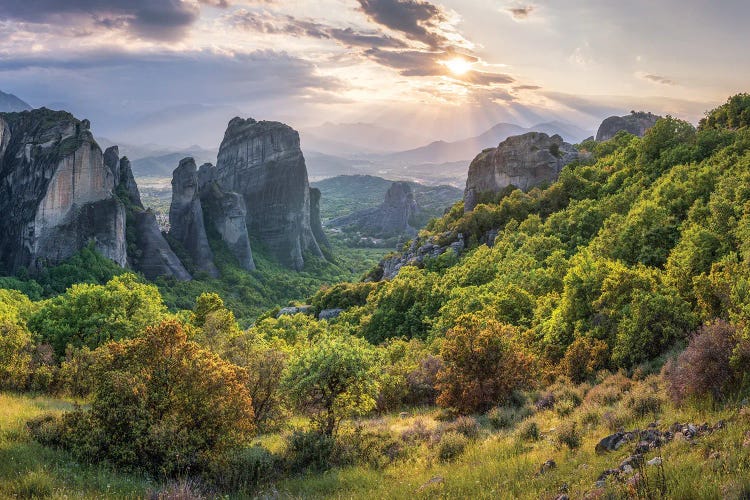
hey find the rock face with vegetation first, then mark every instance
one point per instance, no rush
(186, 227)
(56, 194)
(263, 162)
(522, 161)
(392, 218)
(635, 123)
(148, 250)
(226, 213)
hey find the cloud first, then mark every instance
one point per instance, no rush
(265, 22)
(656, 79)
(521, 13)
(166, 20)
(417, 20)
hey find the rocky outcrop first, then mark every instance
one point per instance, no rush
(263, 162)
(416, 254)
(522, 161)
(149, 252)
(186, 226)
(636, 123)
(226, 213)
(56, 193)
(315, 223)
(391, 218)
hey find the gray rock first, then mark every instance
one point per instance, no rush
(391, 218)
(523, 161)
(315, 224)
(330, 313)
(292, 310)
(56, 193)
(634, 123)
(263, 162)
(186, 225)
(127, 184)
(226, 213)
(154, 256)
(654, 461)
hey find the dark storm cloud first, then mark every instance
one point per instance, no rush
(416, 19)
(155, 19)
(264, 22)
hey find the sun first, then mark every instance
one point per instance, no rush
(457, 65)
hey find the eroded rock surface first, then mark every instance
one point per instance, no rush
(523, 161)
(636, 123)
(390, 218)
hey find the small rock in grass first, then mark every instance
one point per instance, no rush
(432, 482)
(654, 461)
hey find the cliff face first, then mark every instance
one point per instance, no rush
(634, 123)
(149, 253)
(262, 161)
(315, 223)
(226, 213)
(56, 193)
(186, 217)
(389, 219)
(523, 161)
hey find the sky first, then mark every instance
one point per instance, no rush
(175, 71)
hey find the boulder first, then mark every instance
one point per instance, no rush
(523, 161)
(330, 313)
(263, 162)
(636, 123)
(186, 226)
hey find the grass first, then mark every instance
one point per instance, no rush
(29, 470)
(497, 464)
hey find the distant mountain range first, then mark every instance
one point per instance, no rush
(358, 138)
(467, 149)
(10, 103)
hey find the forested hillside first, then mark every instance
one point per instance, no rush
(578, 354)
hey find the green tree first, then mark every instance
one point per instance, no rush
(90, 315)
(332, 379)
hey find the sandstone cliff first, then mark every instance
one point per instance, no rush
(56, 194)
(635, 123)
(523, 161)
(262, 161)
(186, 226)
(390, 218)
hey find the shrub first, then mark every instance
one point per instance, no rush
(451, 446)
(704, 367)
(644, 400)
(616, 420)
(311, 450)
(333, 378)
(610, 390)
(483, 364)
(418, 431)
(370, 445)
(161, 403)
(466, 426)
(245, 469)
(46, 429)
(529, 431)
(422, 381)
(503, 417)
(564, 407)
(583, 358)
(568, 435)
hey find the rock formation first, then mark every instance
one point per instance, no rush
(523, 161)
(390, 218)
(315, 223)
(226, 213)
(262, 161)
(56, 193)
(149, 252)
(186, 226)
(635, 123)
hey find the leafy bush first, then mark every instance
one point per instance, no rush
(583, 358)
(705, 366)
(160, 403)
(333, 378)
(483, 364)
(451, 446)
(568, 435)
(371, 445)
(311, 450)
(466, 426)
(529, 431)
(645, 399)
(503, 417)
(245, 469)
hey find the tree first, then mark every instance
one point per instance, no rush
(483, 364)
(90, 315)
(161, 403)
(332, 379)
